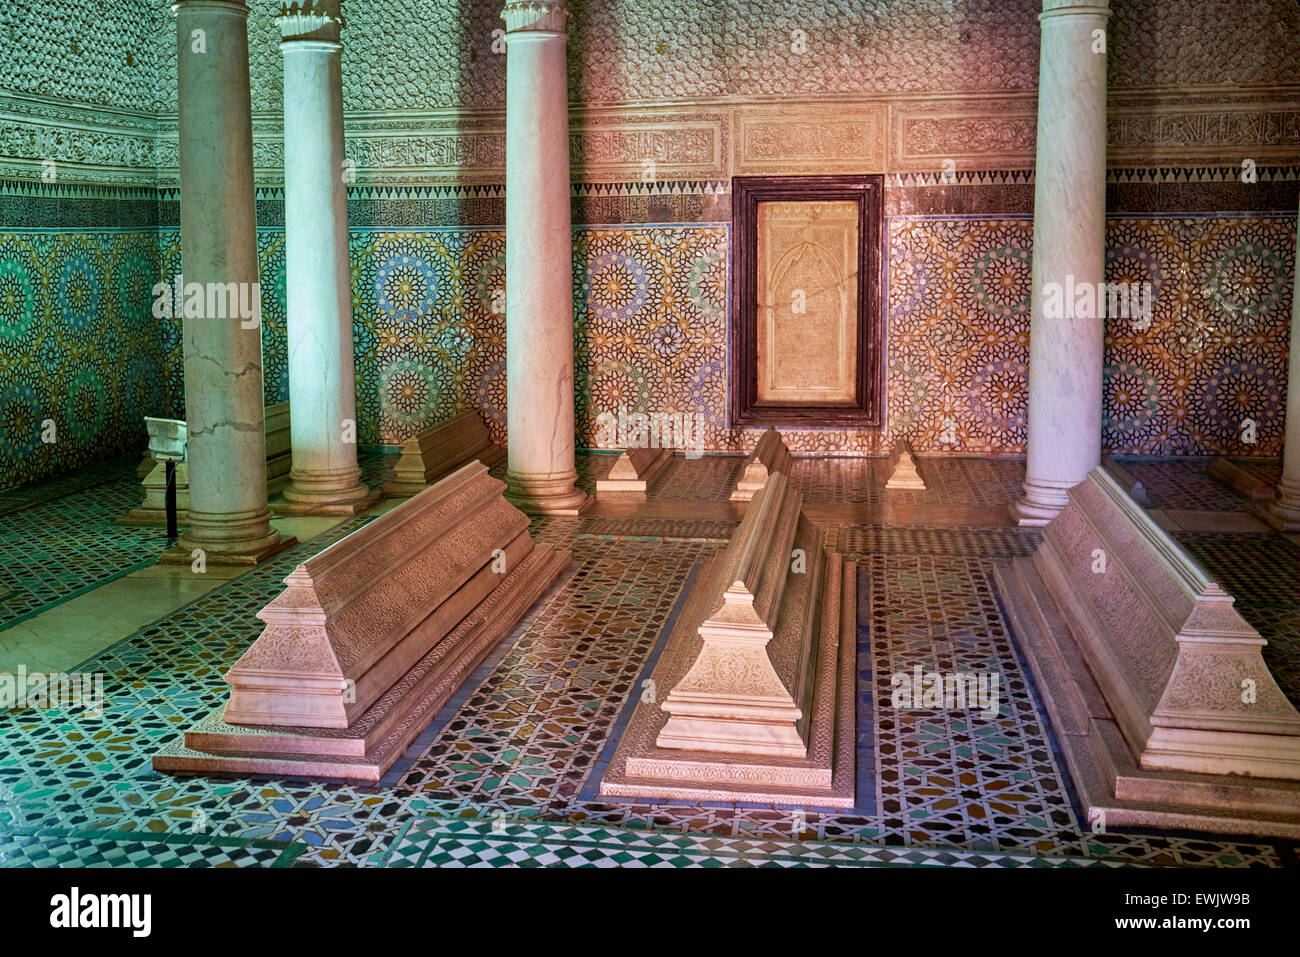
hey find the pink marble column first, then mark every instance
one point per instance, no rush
(1284, 513)
(1065, 350)
(324, 477)
(229, 521)
(539, 263)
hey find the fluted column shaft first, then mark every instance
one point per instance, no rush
(324, 477)
(539, 263)
(228, 515)
(1065, 351)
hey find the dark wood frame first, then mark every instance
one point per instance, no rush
(746, 193)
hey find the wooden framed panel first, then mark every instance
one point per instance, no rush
(807, 309)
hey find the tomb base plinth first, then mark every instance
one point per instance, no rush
(368, 747)
(1153, 683)
(632, 474)
(753, 696)
(439, 450)
(372, 635)
(547, 494)
(233, 553)
(312, 495)
(1284, 513)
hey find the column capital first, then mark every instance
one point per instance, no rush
(310, 20)
(535, 16)
(1061, 8)
(229, 6)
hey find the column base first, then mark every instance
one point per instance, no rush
(1284, 513)
(546, 493)
(225, 540)
(1041, 502)
(303, 496)
(182, 553)
(346, 507)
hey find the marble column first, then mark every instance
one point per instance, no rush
(228, 516)
(1284, 513)
(539, 264)
(324, 477)
(1065, 345)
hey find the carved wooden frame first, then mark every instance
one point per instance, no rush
(747, 192)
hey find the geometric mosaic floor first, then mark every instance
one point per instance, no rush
(60, 847)
(1184, 485)
(53, 550)
(57, 546)
(443, 842)
(507, 775)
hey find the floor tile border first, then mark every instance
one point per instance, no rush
(289, 850)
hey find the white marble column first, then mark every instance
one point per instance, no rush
(228, 516)
(324, 477)
(539, 263)
(1065, 351)
(1284, 513)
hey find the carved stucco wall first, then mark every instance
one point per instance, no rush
(669, 92)
(78, 86)
(675, 82)
(401, 57)
(98, 54)
(703, 90)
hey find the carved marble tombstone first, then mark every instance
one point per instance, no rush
(373, 635)
(903, 471)
(439, 450)
(769, 456)
(1166, 711)
(753, 695)
(632, 474)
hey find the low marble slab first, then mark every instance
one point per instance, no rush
(632, 474)
(367, 748)
(769, 456)
(439, 450)
(1165, 709)
(903, 471)
(1232, 475)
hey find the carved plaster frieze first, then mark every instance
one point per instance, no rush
(66, 142)
(1208, 128)
(470, 148)
(649, 146)
(710, 140)
(975, 133)
(810, 138)
(1203, 129)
